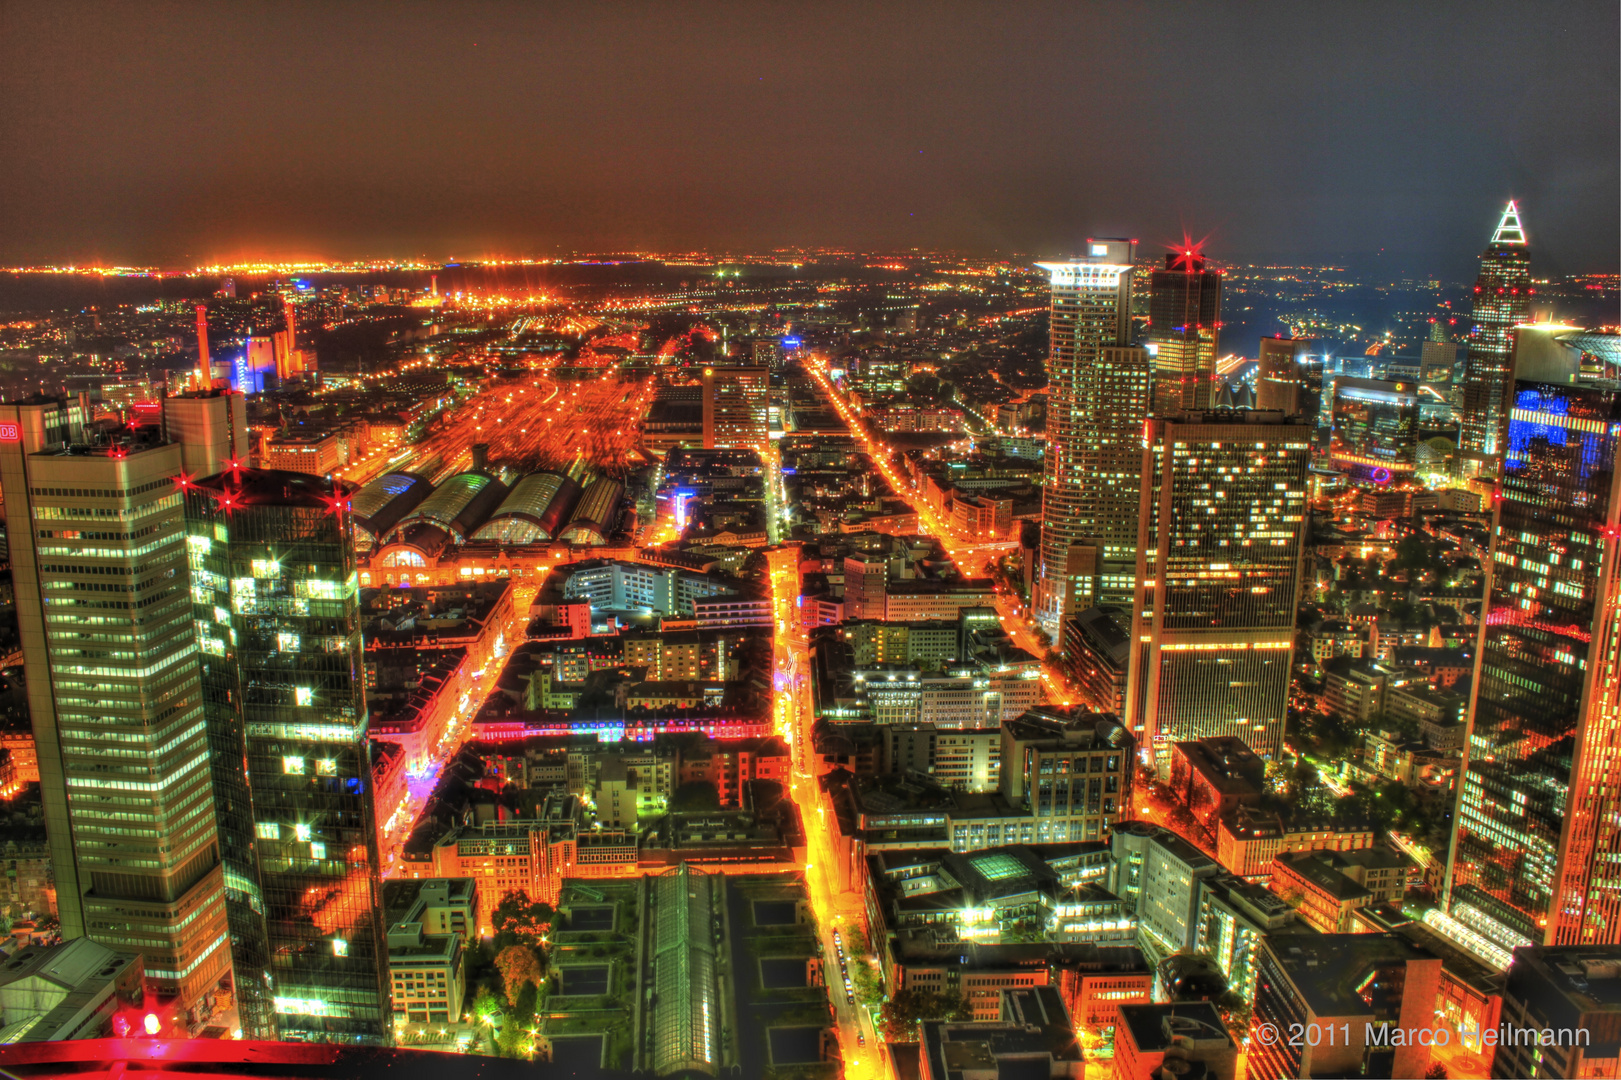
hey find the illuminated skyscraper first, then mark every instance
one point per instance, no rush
(1098, 399)
(1502, 300)
(98, 557)
(1374, 439)
(1280, 383)
(1223, 531)
(276, 601)
(735, 415)
(1184, 326)
(1538, 827)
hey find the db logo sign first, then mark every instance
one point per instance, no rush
(9, 433)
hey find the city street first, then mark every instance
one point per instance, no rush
(968, 555)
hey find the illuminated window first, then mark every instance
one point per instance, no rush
(317, 850)
(303, 695)
(292, 766)
(301, 832)
(326, 767)
(268, 830)
(340, 947)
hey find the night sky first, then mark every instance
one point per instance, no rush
(175, 134)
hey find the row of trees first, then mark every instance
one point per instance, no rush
(509, 974)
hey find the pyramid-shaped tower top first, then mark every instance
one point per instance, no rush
(1509, 229)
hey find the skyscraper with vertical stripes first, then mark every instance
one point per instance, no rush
(1098, 400)
(98, 555)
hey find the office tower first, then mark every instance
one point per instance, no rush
(1535, 837)
(1278, 386)
(277, 608)
(769, 353)
(1098, 399)
(1502, 301)
(1224, 527)
(1437, 363)
(735, 407)
(1184, 327)
(211, 427)
(866, 580)
(1373, 440)
(98, 559)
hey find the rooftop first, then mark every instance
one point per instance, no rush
(1154, 1028)
(1332, 971)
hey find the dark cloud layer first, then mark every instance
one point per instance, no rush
(179, 133)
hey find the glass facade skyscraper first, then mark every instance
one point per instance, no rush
(1536, 841)
(97, 545)
(1374, 438)
(1098, 399)
(1279, 385)
(1184, 327)
(1223, 524)
(1502, 300)
(275, 595)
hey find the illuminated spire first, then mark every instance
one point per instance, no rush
(1509, 229)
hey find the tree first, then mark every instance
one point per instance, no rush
(519, 967)
(523, 1010)
(699, 797)
(518, 920)
(906, 1008)
(486, 1006)
(1436, 1071)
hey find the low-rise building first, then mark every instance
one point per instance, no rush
(1049, 891)
(1355, 984)
(71, 990)
(1248, 840)
(1215, 776)
(1235, 917)
(428, 926)
(1097, 655)
(1159, 874)
(1573, 992)
(1191, 1032)
(1329, 887)
(1032, 1033)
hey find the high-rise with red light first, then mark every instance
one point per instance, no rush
(1184, 332)
(97, 544)
(275, 595)
(1502, 300)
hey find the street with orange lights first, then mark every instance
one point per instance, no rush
(858, 1038)
(1012, 614)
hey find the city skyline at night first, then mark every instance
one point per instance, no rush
(812, 542)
